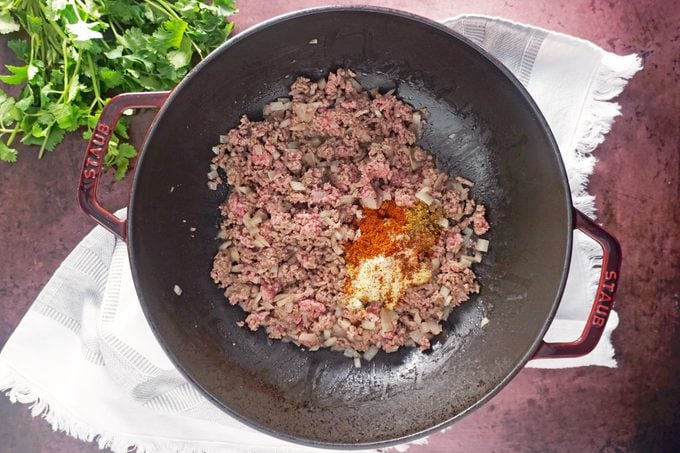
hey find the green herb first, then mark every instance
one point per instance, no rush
(80, 52)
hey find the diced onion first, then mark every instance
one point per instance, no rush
(347, 199)
(416, 335)
(307, 337)
(464, 181)
(436, 263)
(466, 261)
(310, 159)
(484, 322)
(424, 196)
(260, 241)
(234, 255)
(357, 362)
(354, 304)
(344, 323)
(369, 203)
(277, 106)
(387, 317)
(177, 290)
(297, 186)
(372, 351)
(482, 245)
(434, 327)
(446, 313)
(330, 342)
(368, 325)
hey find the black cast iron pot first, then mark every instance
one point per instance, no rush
(320, 398)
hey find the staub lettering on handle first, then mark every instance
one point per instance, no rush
(605, 299)
(95, 152)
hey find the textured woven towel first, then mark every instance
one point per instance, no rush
(86, 360)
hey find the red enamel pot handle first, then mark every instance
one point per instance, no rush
(604, 298)
(96, 149)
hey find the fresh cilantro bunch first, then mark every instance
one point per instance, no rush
(75, 54)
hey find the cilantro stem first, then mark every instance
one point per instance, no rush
(55, 26)
(163, 7)
(44, 143)
(67, 88)
(113, 27)
(64, 53)
(93, 77)
(12, 135)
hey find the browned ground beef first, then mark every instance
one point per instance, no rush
(300, 179)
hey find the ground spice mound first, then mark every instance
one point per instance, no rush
(388, 257)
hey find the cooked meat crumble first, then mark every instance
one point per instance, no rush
(339, 230)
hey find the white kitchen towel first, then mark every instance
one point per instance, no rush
(85, 359)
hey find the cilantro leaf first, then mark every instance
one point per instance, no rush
(20, 47)
(225, 7)
(7, 154)
(9, 113)
(110, 77)
(169, 36)
(125, 153)
(19, 75)
(7, 25)
(47, 138)
(66, 116)
(82, 31)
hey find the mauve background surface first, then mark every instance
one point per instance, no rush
(637, 183)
